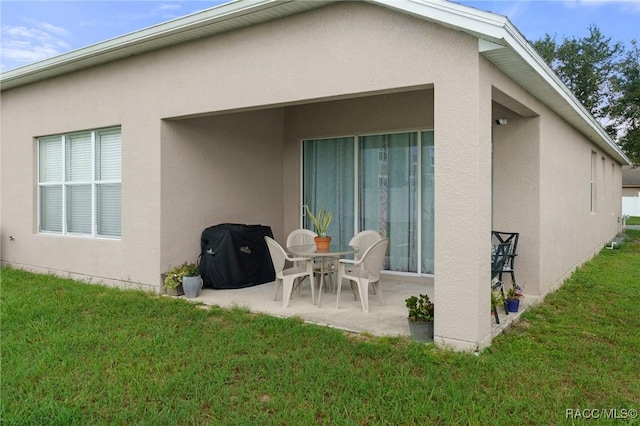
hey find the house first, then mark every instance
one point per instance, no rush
(434, 121)
(631, 191)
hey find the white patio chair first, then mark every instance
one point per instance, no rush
(363, 240)
(286, 277)
(363, 272)
(300, 237)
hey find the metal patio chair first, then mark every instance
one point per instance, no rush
(509, 266)
(499, 257)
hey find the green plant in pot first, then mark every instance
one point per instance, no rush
(513, 300)
(321, 222)
(184, 279)
(421, 315)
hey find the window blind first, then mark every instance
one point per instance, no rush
(79, 178)
(108, 208)
(50, 157)
(108, 155)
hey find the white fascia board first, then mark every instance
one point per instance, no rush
(481, 24)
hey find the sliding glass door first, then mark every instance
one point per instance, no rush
(380, 182)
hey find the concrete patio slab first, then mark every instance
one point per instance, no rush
(389, 319)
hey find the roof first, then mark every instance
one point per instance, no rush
(499, 41)
(631, 176)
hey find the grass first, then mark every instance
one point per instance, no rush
(77, 354)
(633, 220)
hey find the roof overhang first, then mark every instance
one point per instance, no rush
(499, 41)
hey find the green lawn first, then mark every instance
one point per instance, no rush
(633, 220)
(78, 354)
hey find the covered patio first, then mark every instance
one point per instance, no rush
(389, 319)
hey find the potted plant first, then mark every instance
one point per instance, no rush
(513, 300)
(184, 279)
(420, 318)
(321, 223)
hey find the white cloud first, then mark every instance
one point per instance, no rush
(168, 7)
(23, 44)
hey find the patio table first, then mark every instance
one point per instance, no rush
(335, 251)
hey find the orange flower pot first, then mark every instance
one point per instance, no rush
(323, 243)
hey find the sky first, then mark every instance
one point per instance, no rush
(32, 31)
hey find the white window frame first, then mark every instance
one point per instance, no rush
(593, 182)
(64, 184)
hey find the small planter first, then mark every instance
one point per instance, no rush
(513, 305)
(172, 280)
(421, 331)
(323, 243)
(178, 291)
(191, 286)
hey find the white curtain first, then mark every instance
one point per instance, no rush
(388, 196)
(391, 196)
(328, 182)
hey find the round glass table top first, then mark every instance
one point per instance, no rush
(312, 250)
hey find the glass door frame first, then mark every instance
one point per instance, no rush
(356, 183)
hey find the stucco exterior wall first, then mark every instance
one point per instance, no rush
(221, 169)
(541, 188)
(570, 232)
(516, 190)
(73, 103)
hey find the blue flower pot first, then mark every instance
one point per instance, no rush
(513, 305)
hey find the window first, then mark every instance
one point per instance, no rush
(79, 179)
(594, 159)
(382, 182)
(603, 188)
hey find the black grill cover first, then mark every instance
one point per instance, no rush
(235, 256)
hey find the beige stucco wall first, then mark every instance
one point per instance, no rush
(541, 188)
(221, 169)
(74, 103)
(566, 163)
(516, 191)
